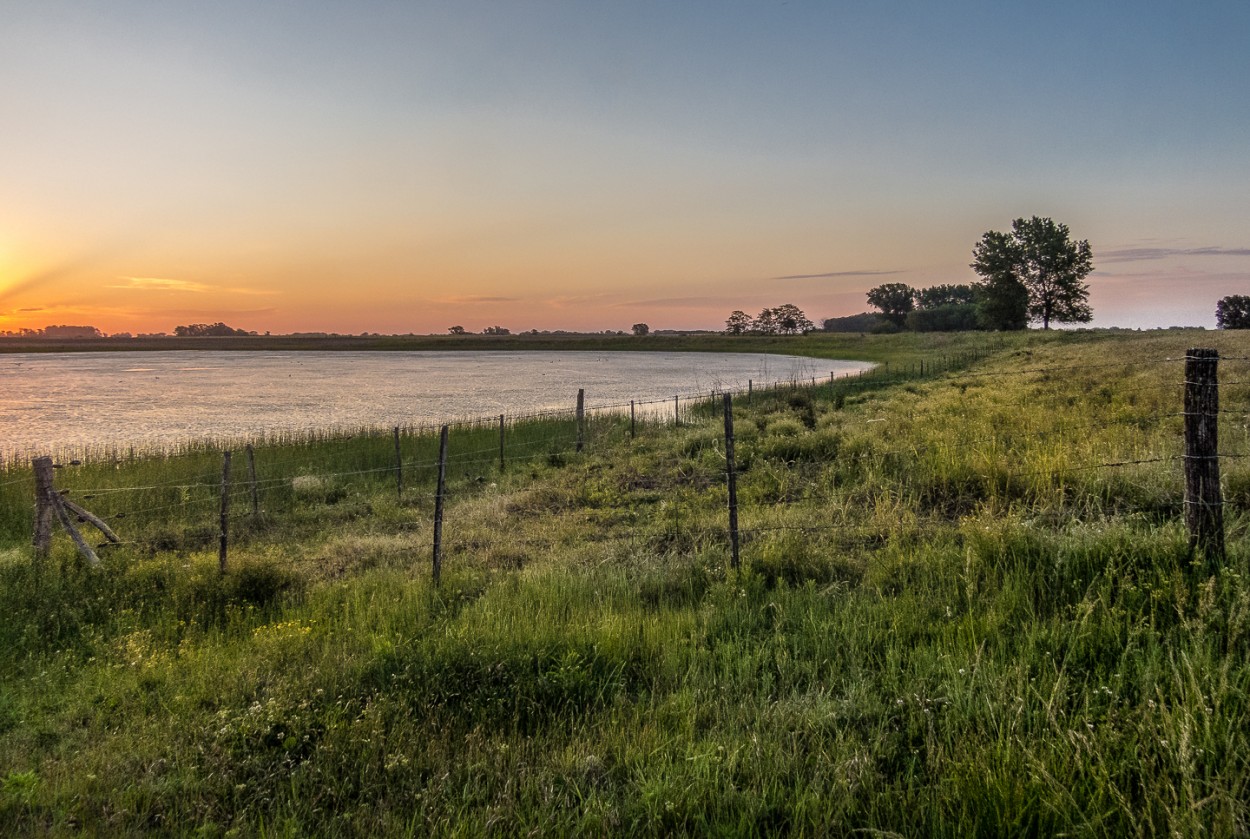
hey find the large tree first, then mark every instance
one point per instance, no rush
(1233, 312)
(791, 320)
(1037, 258)
(737, 323)
(765, 322)
(945, 295)
(894, 300)
(1002, 299)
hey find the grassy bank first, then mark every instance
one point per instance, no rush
(967, 607)
(823, 345)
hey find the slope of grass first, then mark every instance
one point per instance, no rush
(954, 618)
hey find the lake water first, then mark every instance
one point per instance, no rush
(64, 402)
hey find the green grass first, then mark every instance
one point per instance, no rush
(952, 620)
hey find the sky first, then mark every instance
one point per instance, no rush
(407, 166)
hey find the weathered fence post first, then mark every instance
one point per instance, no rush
(438, 505)
(50, 503)
(224, 536)
(251, 477)
(750, 387)
(501, 442)
(399, 468)
(43, 506)
(90, 518)
(631, 420)
(581, 418)
(1204, 513)
(733, 481)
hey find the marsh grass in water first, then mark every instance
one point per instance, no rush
(952, 620)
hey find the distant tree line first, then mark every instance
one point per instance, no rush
(1034, 273)
(57, 331)
(787, 319)
(214, 330)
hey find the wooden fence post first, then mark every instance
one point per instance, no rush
(501, 442)
(438, 506)
(581, 418)
(631, 419)
(90, 518)
(735, 559)
(676, 410)
(1204, 513)
(224, 536)
(750, 387)
(399, 468)
(58, 506)
(43, 506)
(251, 477)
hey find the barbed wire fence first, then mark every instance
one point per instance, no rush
(416, 457)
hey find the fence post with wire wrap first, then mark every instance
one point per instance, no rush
(224, 535)
(399, 467)
(43, 506)
(735, 559)
(438, 506)
(581, 418)
(251, 477)
(1204, 513)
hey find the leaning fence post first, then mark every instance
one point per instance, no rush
(43, 506)
(438, 505)
(58, 506)
(1204, 514)
(224, 536)
(733, 481)
(581, 418)
(251, 477)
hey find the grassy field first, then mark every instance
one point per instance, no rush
(828, 345)
(967, 608)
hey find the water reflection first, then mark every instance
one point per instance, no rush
(62, 402)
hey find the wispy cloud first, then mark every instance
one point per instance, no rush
(830, 274)
(1139, 254)
(161, 284)
(183, 286)
(673, 302)
(208, 315)
(473, 299)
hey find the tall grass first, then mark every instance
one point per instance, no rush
(954, 619)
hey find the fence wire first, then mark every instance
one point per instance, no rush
(608, 422)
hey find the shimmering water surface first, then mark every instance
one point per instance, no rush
(62, 402)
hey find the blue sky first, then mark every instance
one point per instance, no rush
(406, 166)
